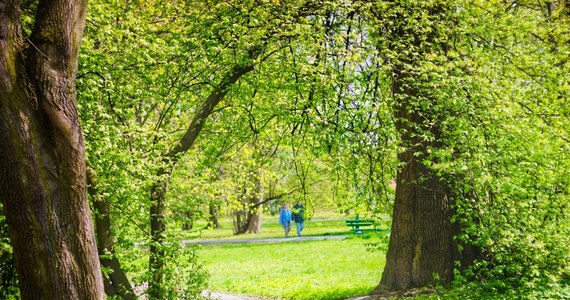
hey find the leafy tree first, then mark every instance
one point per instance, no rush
(42, 168)
(259, 39)
(465, 88)
(414, 40)
(517, 150)
(139, 99)
(124, 114)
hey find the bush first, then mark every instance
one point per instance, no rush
(524, 233)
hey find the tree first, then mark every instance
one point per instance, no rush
(159, 189)
(414, 38)
(476, 91)
(154, 75)
(516, 150)
(250, 43)
(217, 62)
(334, 96)
(42, 171)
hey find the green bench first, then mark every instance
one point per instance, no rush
(357, 226)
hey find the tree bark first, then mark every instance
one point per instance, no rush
(255, 211)
(214, 221)
(422, 241)
(42, 170)
(254, 224)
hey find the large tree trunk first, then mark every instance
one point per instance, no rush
(42, 170)
(421, 241)
(422, 250)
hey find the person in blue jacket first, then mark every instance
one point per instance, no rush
(285, 218)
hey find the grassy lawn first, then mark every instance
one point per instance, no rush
(329, 269)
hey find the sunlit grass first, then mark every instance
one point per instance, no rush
(329, 269)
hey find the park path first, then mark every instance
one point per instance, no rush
(267, 240)
(221, 296)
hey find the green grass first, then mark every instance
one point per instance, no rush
(329, 269)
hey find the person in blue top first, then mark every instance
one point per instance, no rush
(285, 219)
(298, 217)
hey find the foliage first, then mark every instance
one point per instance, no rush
(130, 59)
(8, 277)
(147, 67)
(185, 276)
(511, 152)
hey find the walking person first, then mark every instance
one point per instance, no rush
(298, 217)
(285, 219)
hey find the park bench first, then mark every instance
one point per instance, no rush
(357, 226)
